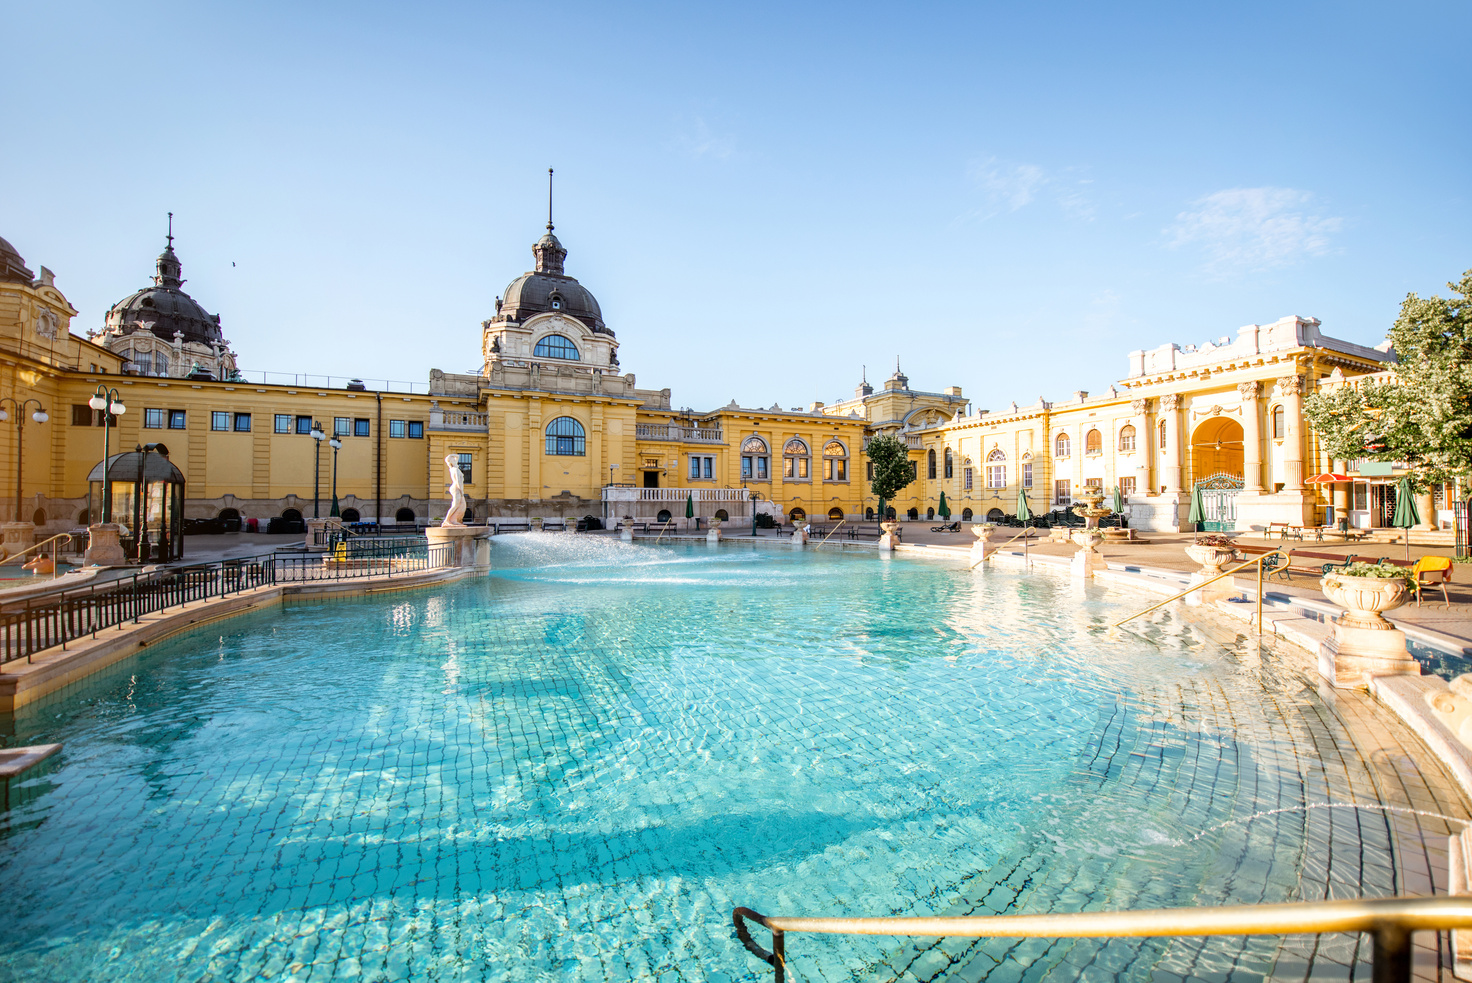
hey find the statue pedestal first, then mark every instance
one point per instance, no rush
(103, 547)
(889, 540)
(982, 548)
(465, 543)
(1348, 655)
(1088, 560)
(626, 529)
(1219, 591)
(799, 535)
(17, 536)
(714, 536)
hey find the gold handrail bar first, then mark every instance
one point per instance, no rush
(16, 556)
(1225, 573)
(1389, 920)
(1022, 535)
(666, 529)
(833, 530)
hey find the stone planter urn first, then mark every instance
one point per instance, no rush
(1364, 598)
(626, 529)
(1363, 642)
(888, 540)
(714, 535)
(982, 548)
(1211, 558)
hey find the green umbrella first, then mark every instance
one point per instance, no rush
(1118, 500)
(1198, 508)
(1405, 511)
(1024, 514)
(944, 511)
(690, 506)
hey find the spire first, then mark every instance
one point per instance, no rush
(549, 199)
(169, 271)
(548, 250)
(864, 388)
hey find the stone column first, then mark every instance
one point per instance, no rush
(1144, 440)
(1170, 458)
(1426, 505)
(1291, 388)
(1341, 492)
(1251, 437)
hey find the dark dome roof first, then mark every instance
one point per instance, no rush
(12, 267)
(124, 467)
(165, 308)
(533, 293)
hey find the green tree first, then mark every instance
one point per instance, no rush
(892, 471)
(1421, 415)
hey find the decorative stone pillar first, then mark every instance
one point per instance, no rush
(1426, 505)
(713, 537)
(1251, 437)
(103, 546)
(18, 536)
(626, 529)
(1291, 388)
(1170, 458)
(1341, 492)
(1143, 442)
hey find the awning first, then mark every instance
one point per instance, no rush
(1327, 478)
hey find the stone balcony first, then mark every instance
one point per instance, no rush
(678, 434)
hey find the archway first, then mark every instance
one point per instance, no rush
(1216, 448)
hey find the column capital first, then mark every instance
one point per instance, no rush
(1291, 385)
(1140, 407)
(1249, 390)
(1170, 402)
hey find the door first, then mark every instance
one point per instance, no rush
(651, 479)
(1219, 502)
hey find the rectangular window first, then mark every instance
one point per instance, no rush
(1361, 496)
(465, 466)
(694, 467)
(966, 479)
(710, 467)
(304, 424)
(416, 429)
(1126, 486)
(177, 420)
(745, 466)
(1095, 483)
(283, 423)
(869, 469)
(153, 419)
(996, 476)
(160, 364)
(914, 470)
(842, 469)
(360, 427)
(761, 469)
(398, 428)
(1062, 492)
(1026, 474)
(219, 420)
(340, 426)
(242, 423)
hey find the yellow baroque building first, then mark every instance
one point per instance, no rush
(552, 427)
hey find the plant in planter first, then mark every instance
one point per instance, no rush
(1365, 590)
(1380, 571)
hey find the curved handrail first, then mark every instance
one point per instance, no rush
(1390, 920)
(15, 556)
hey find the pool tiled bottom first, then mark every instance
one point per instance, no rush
(575, 769)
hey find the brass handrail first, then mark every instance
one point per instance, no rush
(1226, 573)
(52, 539)
(1389, 920)
(668, 523)
(833, 530)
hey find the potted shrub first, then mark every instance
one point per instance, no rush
(1365, 590)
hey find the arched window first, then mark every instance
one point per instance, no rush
(352, 515)
(835, 461)
(38, 518)
(950, 467)
(404, 515)
(995, 515)
(1162, 435)
(834, 514)
(795, 460)
(722, 514)
(869, 513)
(798, 516)
(930, 463)
(565, 438)
(913, 514)
(966, 515)
(663, 516)
(754, 459)
(1127, 438)
(930, 513)
(1278, 428)
(556, 346)
(996, 469)
(1062, 447)
(1093, 443)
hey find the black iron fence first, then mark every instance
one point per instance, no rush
(30, 626)
(1460, 515)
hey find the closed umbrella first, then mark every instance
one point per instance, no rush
(690, 506)
(1198, 508)
(944, 510)
(1024, 514)
(1405, 511)
(1118, 499)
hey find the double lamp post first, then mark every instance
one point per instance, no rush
(18, 407)
(319, 435)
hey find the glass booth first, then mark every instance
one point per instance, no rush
(144, 495)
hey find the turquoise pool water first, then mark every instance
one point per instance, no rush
(575, 768)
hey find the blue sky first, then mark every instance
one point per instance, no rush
(762, 197)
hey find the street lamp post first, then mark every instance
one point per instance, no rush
(19, 406)
(336, 445)
(110, 404)
(318, 435)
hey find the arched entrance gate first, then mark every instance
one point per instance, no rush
(1219, 501)
(1216, 471)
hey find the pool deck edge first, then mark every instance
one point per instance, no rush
(58, 667)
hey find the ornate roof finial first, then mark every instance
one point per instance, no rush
(549, 199)
(171, 230)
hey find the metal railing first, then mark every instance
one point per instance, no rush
(1389, 921)
(675, 432)
(1257, 561)
(36, 624)
(12, 558)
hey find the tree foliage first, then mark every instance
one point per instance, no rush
(1423, 414)
(891, 460)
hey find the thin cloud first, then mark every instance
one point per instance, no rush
(1008, 186)
(698, 139)
(1246, 229)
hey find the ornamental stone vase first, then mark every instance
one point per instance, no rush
(714, 535)
(888, 540)
(982, 548)
(1211, 559)
(1364, 643)
(626, 529)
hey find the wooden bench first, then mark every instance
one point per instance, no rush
(1284, 530)
(1327, 562)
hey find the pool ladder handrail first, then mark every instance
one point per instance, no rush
(1390, 922)
(16, 556)
(1258, 561)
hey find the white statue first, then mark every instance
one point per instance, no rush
(456, 488)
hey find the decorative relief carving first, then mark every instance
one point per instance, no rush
(1170, 402)
(1249, 390)
(1291, 385)
(1140, 407)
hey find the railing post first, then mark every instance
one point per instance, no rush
(1392, 956)
(779, 956)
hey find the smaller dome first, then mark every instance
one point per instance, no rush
(165, 309)
(12, 267)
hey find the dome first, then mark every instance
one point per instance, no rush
(548, 289)
(12, 267)
(165, 309)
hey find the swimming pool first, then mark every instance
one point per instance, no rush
(575, 768)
